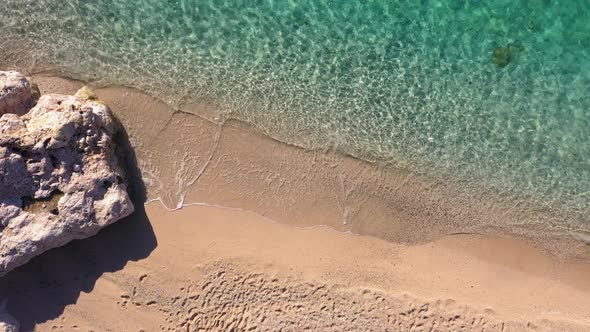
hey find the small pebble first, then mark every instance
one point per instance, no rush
(77, 168)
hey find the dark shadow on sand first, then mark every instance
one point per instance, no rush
(40, 290)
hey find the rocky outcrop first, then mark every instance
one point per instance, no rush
(59, 176)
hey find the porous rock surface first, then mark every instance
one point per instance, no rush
(59, 176)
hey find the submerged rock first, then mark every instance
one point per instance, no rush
(502, 56)
(59, 177)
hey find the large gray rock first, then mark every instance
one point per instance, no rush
(59, 176)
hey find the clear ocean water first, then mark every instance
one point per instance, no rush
(489, 92)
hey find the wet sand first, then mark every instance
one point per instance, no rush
(185, 159)
(298, 239)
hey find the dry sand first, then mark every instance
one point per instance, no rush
(254, 256)
(210, 268)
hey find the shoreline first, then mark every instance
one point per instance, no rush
(289, 184)
(269, 233)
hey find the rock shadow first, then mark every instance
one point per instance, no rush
(41, 289)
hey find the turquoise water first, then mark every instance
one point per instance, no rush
(489, 92)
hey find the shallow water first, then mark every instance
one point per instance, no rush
(492, 93)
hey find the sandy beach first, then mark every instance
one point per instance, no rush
(206, 268)
(274, 237)
(200, 165)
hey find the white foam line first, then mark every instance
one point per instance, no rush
(265, 218)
